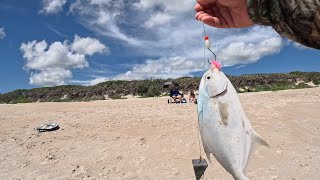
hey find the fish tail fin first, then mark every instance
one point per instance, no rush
(239, 175)
(259, 140)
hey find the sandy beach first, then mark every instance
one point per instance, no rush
(150, 139)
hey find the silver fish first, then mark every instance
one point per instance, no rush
(225, 130)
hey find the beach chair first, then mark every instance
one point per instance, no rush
(173, 87)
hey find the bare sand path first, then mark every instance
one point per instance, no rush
(149, 139)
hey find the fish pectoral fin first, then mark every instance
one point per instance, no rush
(224, 113)
(259, 140)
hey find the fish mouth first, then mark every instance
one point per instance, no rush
(221, 94)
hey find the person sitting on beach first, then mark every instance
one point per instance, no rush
(192, 97)
(175, 94)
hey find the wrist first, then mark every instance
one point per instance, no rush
(263, 11)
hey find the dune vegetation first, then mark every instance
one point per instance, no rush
(153, 88)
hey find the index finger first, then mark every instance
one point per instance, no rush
(205, 2)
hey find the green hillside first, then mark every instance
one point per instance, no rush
(151, 88)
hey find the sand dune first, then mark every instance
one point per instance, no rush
(149, 139)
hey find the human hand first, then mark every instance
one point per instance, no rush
(223, 13)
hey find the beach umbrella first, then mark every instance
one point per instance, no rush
(170, 84)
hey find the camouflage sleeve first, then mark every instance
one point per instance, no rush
(298, 20)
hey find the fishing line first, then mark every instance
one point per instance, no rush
(206, 45)
(199, 135)
(204, 69)
(200, 165)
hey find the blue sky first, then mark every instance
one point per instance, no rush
(55, 42)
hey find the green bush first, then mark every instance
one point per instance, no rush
(153, 91)
(117, 96)
(302, 85)
(20, 100)
(278, 87)
(142, 89)
(262, 88)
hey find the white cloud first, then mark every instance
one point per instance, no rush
(244, 53)
(103, 17)
(88, 46)
(58, 55)
(50, 77)
(158, 19)
(100, 2)
(2, 33)
(299, 46)
(167, 29)
(92, 82)
(50, 65)
(168, 5)
(55, 30)
(97, 81)
(239, 67)
(52, 6)
(163, 68)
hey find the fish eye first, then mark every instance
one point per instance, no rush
(208, 77)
